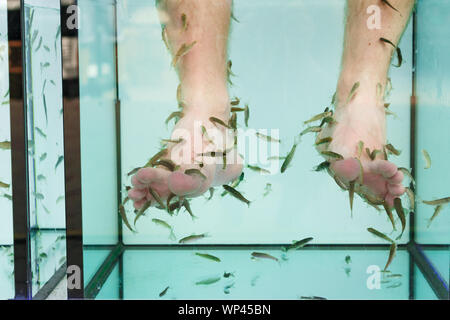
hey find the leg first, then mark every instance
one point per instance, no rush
(203, 93)
(366, 60)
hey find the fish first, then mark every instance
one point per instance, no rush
(41, 177)
(214, 153)
(43, 157)
(258, 169)
(39, 45)
(319, 117)
(164, 37)
(379, 89)
(351, 194)
(233, 121)
(322, 166)
(38, 130)
(208, 281)
(352, 92)
(332, 154)
(236, 194)
(233, 17)
(193, 237)
(399, 51)
(406, 172)
(156, 196)
(169, 164)
(59, 161)
(60, 198)
(229, 72)
(184, 49)
(437, 202)
(215, 120)
(437, 210)
(312, 298)
(205, 134)
(235, 183)
(187, 206)
(155, 158)
(208, 256)
(7, 196)
(411, 196)
(135, 170)
(276, 158)
(228, 274)
(142, 210)
(5, 145)
(227, 288)
(184, 21)
(389, 214)
(175, 114)
(33, 38)
(4, 185)
(390, 5)
(315, 129)
(163, 293)
(164, 224)
(392, 149)
(235, 102)
(427, 158)
(124, 217)
(380, 235)
(263, 255)
(289, 158)
(237, 109)
(267, 189)
(360, 148)
(172, 141)
(324, 140)
(195, 172)
(392, 251)
(246, 115)
(395, 285)
(299, 243)
(394, 275)
(401, 214)
(267, 138)
(348, 259)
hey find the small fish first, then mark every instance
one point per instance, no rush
(360, 148)
(208, 281)
(155, 158)
(211, 193)
(246, 115)
(236, 194)
(184, 49)
(319, 116)
(277, 158)
(229, 72)
(208, 256)
(141, 211)
(228, 274)
(267, 138)
(172, 141)
(427, 158)
(227, 288)
(38, 130)
(59, 161)
(237, 109)
(215, 153)
(215, 120)
(46, 48)
(380, 235)
(4, 185)
(5, 145)
(437, 210)
(399, 52)
(233, 121)
(392, 252)
(7, 196)
(361, 171)
(193, 237)
(59, 199)
(195, 172)
(437, 202)
(299, 244)
(175, 114)
(235, 102)
(332, 154)
(124, 217)
(187, 206)
(311, 129)
(322, 166)
(352, 92)
(164, 37)
(289, 158)
(389, 214)
(324, 140)
(39, 45)
(38, 195)
(406, 172)
(394, 275)
(163, 293)
(156, 196)
(41, 177)
(164, 224)
(43, 157)
(267, 189)
(258, 169)
(184, 21)
(351, 194)
(411, 197)
(312, 298)
(401, 214)
(233, 17)
(390, 5)
(348, 259)
(169, 164)
(392, 149)
(263, 255)
(135, 170)
(395, 285)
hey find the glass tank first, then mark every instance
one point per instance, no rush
(103, 97)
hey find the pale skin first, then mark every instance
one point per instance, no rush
(366, 60)
(203, 78)
(202, 73)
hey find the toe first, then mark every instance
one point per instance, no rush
(347, 169)
(149, 175)
(182, 184)
(390, 199)
(136, 194)
(139, 204)
(385, 168)
(396, 189)
(396, 178)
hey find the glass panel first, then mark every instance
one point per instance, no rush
(45, 135)
(6, 225)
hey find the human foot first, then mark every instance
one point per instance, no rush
(189, 149)
(360, 121)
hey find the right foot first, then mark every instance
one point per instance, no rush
(362, 119)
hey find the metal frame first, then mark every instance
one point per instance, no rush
(74, 238)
